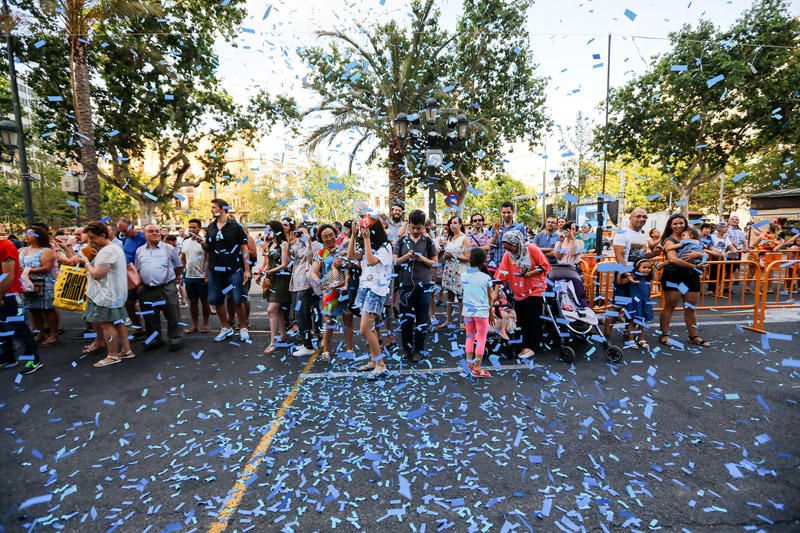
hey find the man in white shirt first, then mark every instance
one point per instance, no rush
(195, 263)
(630, 246)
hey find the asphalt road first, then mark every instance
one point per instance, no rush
(669, 440)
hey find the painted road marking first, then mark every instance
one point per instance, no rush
(240, 487)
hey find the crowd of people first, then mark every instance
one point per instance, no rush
(390, 272)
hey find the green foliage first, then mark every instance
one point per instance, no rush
(315, 193)
(157, 95)
(484, 70)
(694, 128)
(493, 191)
(6, 103)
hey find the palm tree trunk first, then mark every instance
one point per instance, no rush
(83, 113)
(397, 169)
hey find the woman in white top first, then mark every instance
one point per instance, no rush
(106, 293)
(568, 250)
(456, 259)
(377, 266)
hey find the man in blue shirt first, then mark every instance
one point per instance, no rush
(497, 232)
(547, 239)
(132, 239)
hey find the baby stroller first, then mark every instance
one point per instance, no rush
(569, 312)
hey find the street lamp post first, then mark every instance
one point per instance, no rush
(406, 127)
(557, 185)
(20, 132)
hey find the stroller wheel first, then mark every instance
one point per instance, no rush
(613, 354)
(567, 354)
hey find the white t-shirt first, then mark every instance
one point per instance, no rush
(476, 295)
(378, 277)
(721, 244)
(111, 290)
(195, 259)
(635, 244)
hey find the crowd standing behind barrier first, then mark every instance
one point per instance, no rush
(387, 272)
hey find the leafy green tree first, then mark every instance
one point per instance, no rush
(489, 193)
(714, 101)
(75, 21)
(157, 99)
(483, 70)
(6, 104)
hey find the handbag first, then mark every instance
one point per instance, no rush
(266, 286)
(332, 280)
(134, 279)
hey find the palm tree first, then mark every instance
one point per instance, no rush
(391, 74)
(78, 18)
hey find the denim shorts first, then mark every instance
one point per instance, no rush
(225, 284)
(369, 302)
(196, 289)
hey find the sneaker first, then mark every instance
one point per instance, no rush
(12, 364)
(223, 334)
(244, 335)
(30, 369)
(302, 352)
(526, 354)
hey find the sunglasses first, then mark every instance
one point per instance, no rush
(474, 220)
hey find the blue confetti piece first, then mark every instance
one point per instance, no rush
(653, 197)
(151, 338)
(169, 97)
(630, 14)
(35, 501)
(763, 403)
(739, 176)
(266, 13)
(179, 197)
(55, 99)
(791, 363)
(39, 44)
(405, 487)
(73, 203)
(679, 68)
(715, 80)
(150, 196)
(417, 413)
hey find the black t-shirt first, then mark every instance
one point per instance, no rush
(225, 247)
(415, 272)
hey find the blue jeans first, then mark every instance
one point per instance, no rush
(225, 284)
(414, 301)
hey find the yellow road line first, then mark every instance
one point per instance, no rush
(240, 487)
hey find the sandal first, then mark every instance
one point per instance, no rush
(480, 372)
(700, 341)
(643, 345)
(271, 348)
(367, 367)
(107, 360)
(189, 331)
(127, 355)
(92, 349)
(325, 356)
(664, 342)
(49, 341)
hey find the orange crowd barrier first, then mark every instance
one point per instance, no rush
(724, 285)
(777, 289)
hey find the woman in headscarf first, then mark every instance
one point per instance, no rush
(524, 267)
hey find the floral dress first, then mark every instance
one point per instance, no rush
(43, 299)
(453, 268)
(331, 306)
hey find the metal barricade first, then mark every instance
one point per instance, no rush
(778, 288)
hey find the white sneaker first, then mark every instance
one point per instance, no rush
(244, 335)
(525, 355)
(302, 351)
(223, 334)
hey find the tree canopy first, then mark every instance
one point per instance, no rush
(484, 69)
(715, 101)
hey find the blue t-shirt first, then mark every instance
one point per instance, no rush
(476, 295)
(131, 244)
